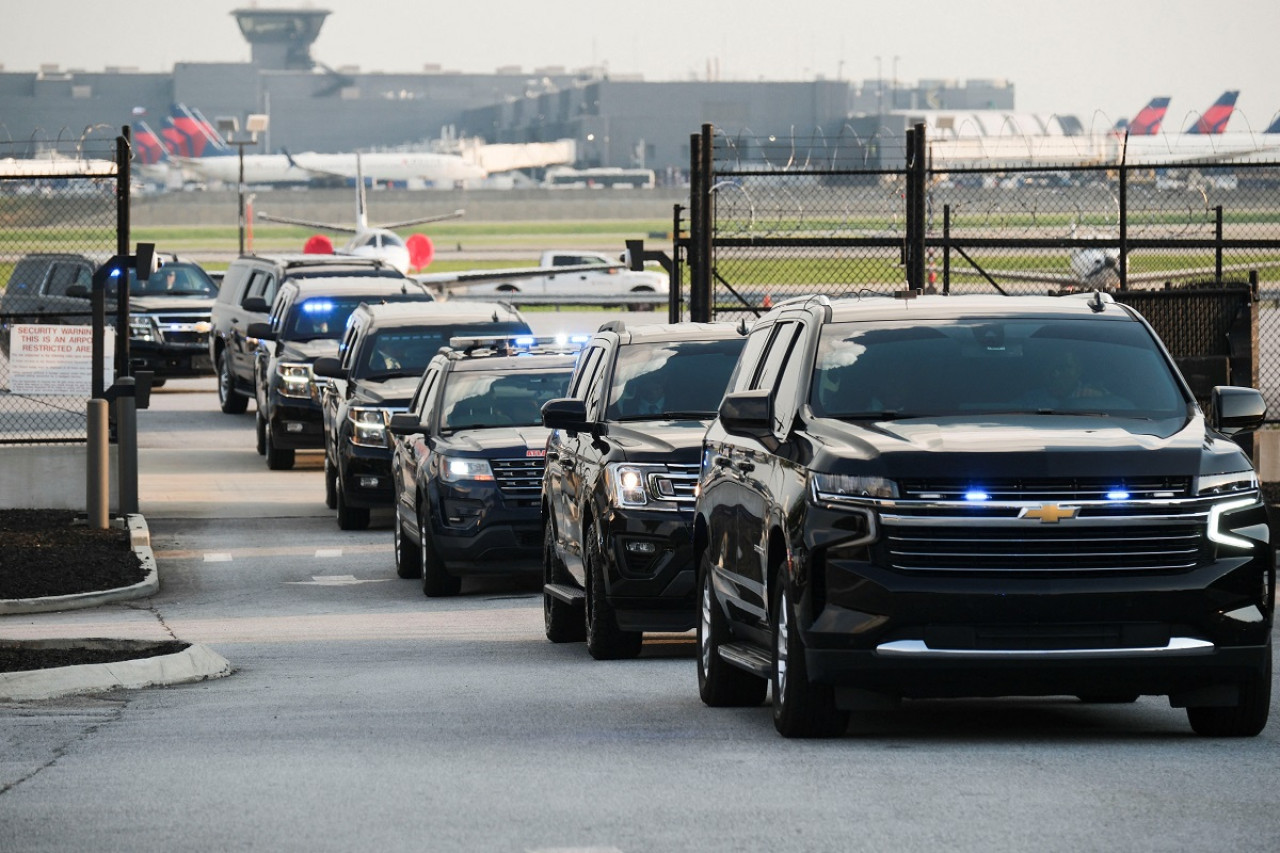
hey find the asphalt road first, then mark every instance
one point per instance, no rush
(362, 716)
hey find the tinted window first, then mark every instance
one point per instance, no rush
(682, 377)
(173, 279)
(406, 351)
(992, 367)
(500, 398)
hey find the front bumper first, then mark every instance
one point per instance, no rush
(167, 362)
(650, 575)
(296, 424)
(477, 530)
(365, 474)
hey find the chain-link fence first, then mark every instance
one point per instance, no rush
(58, 222)
(779, 229)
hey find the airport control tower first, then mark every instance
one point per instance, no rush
(281, 39)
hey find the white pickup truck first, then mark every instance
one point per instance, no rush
(561, 276)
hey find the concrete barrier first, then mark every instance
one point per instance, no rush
(50, 476)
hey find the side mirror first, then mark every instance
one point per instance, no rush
(1236, 409)
(402, 423)
(747, 413)
(566, 413)
(325, 365)
(261, 331)
(256, 304)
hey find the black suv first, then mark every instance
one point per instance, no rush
(168, 313)
(622, 461)
(468, 457)
(308, 319)
(380, 362)
(249, 286)
(978, 496)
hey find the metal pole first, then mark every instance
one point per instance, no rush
(240, 149)
(706, 238)
(98, 474)
(1217, 236)
(122, 249)
(673, 304)
(696, 200)
(127, 439)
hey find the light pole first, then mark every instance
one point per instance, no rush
(879, 87)
(230, 130)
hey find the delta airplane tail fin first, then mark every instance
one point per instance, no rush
(1274, 127)
(1147, 121)
(1214, 121)
(198, 136)
(149, 149)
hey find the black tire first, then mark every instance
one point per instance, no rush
(231, 401)
(278, 458)
(720, 684)
(349, 517)
(1245, 719)
(330, 485)
(408, 560)
(260, 426)
(641, 306)
(800, 709)
(436, 580)
(564, 622)
(605, 640)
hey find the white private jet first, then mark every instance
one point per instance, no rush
(374, 241)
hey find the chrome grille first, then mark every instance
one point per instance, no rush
(181, 328)
(1058, 489)
(678, 484)
(1102, 538)
(519, 479)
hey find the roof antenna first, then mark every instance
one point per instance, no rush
(1097, 304)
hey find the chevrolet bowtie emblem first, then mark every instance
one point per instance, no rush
(1049, 513)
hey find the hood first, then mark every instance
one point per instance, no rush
(1024, 446)
(661, 441)
(390, 393)
(497, 441)
(307, 350)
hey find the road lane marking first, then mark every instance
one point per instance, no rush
(336, 580)
(328, 553)
(217, 558)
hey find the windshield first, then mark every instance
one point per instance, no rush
(996, 366)
(475, 399)
(406, 350)
(673, 379)
(173, 279)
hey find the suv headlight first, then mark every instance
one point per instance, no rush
(456, 468)
(632, 485)
(142, 327)
(296, 379)
(1210, 485)
(849, 487)
(368, 425)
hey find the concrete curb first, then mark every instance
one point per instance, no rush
(140, 538)
(195, 663)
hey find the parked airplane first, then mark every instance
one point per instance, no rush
(377, 241)
(1214, 120)
(1148, 120)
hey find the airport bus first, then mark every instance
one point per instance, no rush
(566, 177)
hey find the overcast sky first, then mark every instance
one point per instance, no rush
(1097, 59)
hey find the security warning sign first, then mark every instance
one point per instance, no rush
(57, 360)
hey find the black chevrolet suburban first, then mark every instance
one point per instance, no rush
(978, 496)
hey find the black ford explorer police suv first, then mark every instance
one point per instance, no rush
(978, 496)
(622, 460)
(467, 461)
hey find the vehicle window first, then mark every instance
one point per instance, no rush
(426, 397)
(344, 349)
(747, 363)
(408, 351)
(1019, 366)
(474, 399)
(794, 370)
(173, 279)
(589, 364)
(63, 276)
(779, 346)
(672, 379)
(258, 286)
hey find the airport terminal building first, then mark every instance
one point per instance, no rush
(615, 120)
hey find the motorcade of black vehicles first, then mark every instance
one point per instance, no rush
(169, 313)
(622, 461)
(249, 286)
(307, 320)
(468, 457)
(978, 496)
(381, 360)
